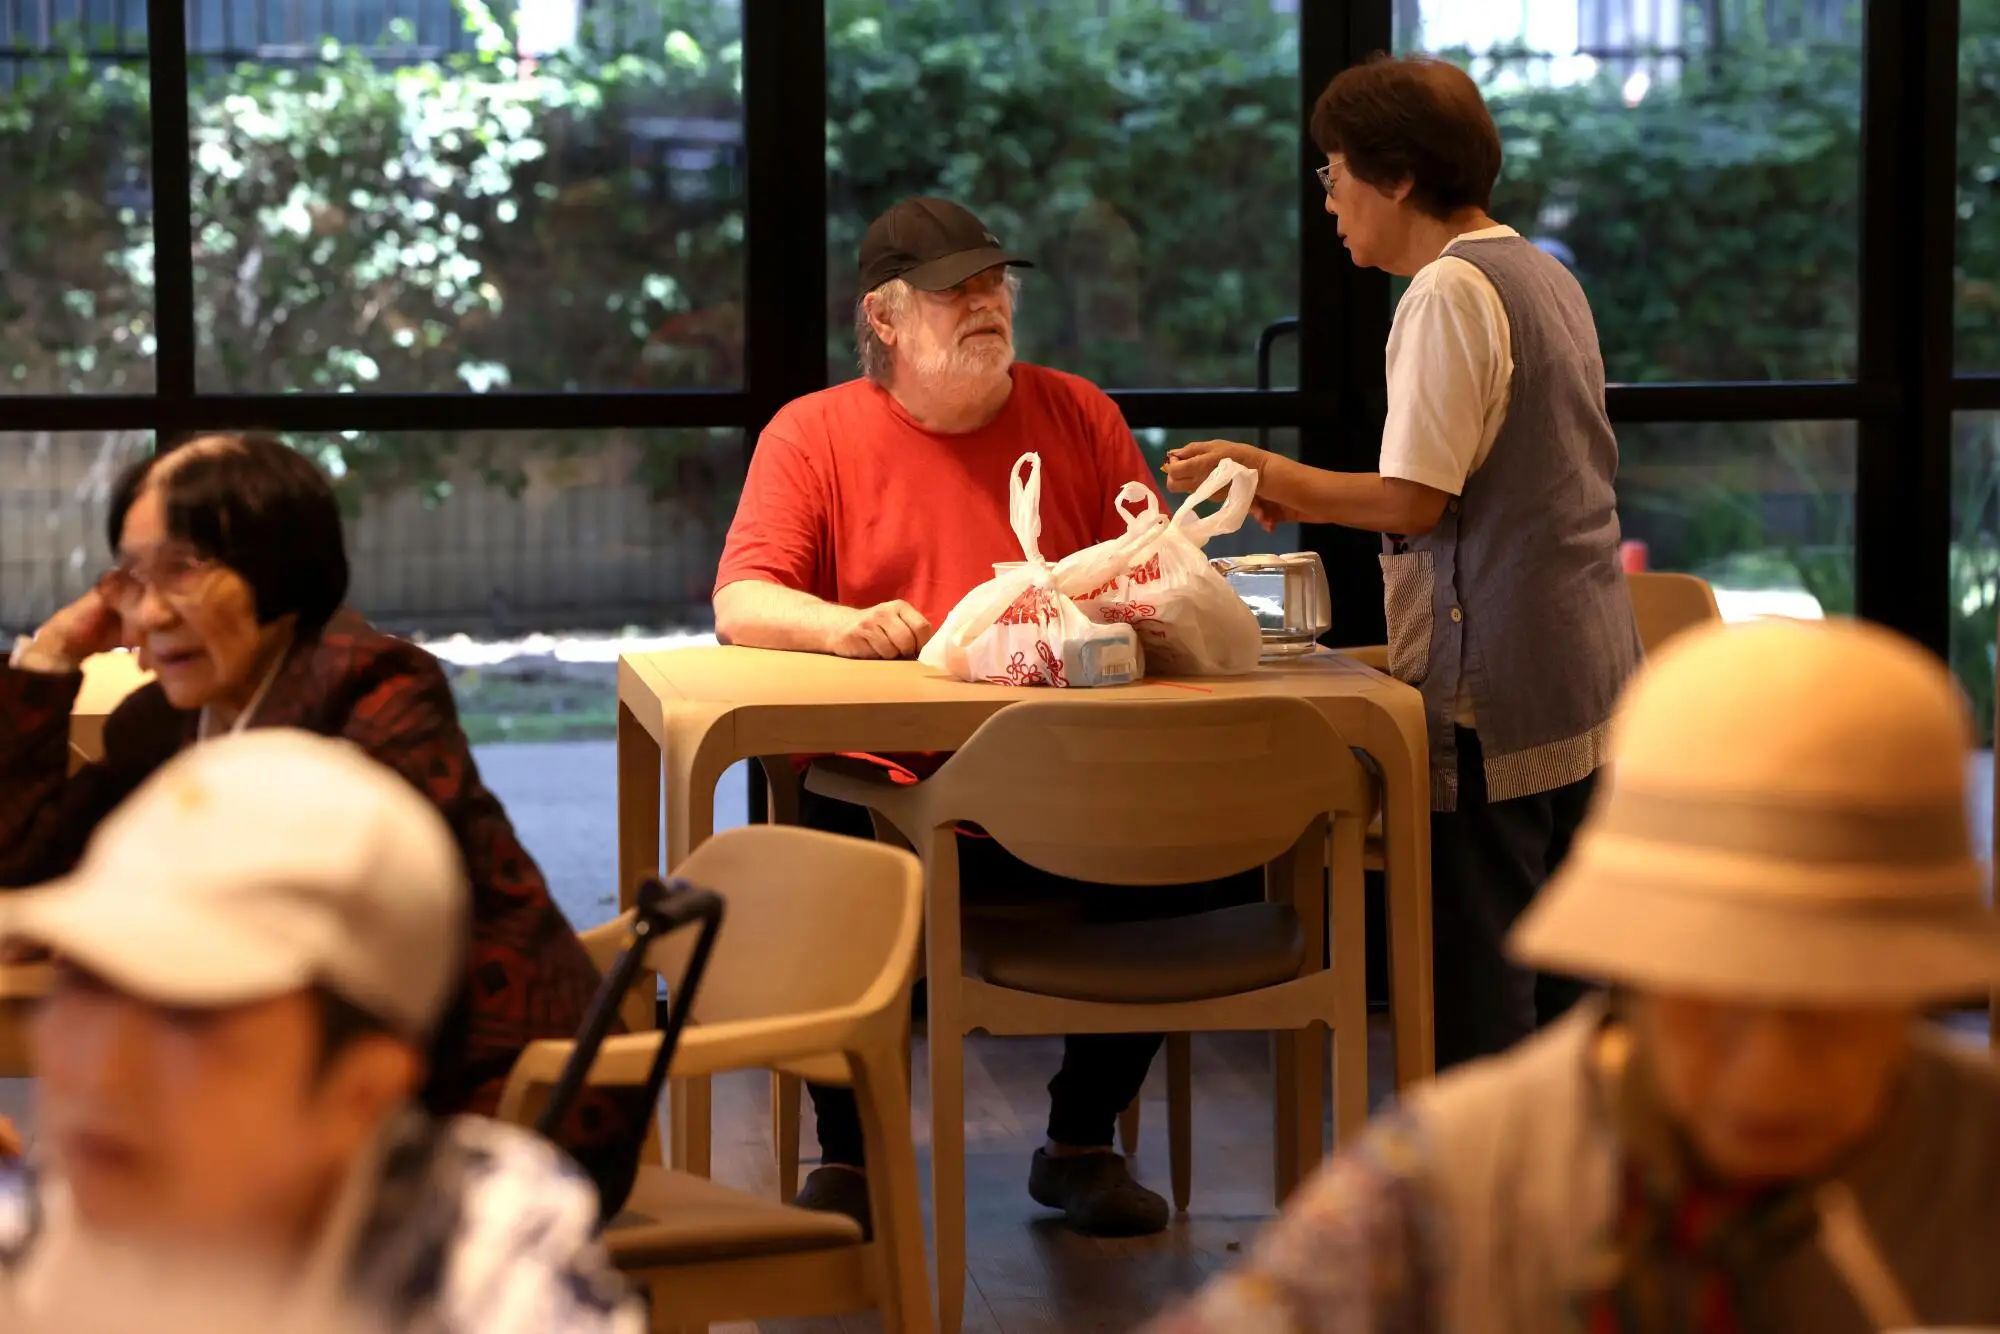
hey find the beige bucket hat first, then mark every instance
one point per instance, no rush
(1783, 821)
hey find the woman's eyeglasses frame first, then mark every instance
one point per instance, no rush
(175, 571)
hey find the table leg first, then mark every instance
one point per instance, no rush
(638, 857)
(1406, 856)
(693, 772)
(690, 806)
(638, 806)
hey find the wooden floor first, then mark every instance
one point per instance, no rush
(1028, 1274)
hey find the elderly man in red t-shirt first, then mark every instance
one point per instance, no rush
(870, 509)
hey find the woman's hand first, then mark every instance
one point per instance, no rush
(85, 627)
(1269, 514)
(1189, 466)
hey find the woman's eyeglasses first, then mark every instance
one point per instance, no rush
(174, 572)
(1329, 177)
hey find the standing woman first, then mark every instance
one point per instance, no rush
(1506, 603)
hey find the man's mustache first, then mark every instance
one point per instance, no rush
(984, 326)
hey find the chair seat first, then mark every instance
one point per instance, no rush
(1198, 957)
(676, 1218)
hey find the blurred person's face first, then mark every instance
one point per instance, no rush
(1770, 1094)
(1374, 223)
(964, 334)
(194, 621)
(205, 1126)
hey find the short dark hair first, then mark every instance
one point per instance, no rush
(342, 1023)
(259, 507)
(1417, 119)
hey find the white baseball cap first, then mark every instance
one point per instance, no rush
(263, 863)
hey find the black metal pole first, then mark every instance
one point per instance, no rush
(1343, 320)
(1902, 492)
(173, 234)
(662, 907)
(784, 112)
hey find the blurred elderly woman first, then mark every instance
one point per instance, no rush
(229, 574)
(1756, 1131)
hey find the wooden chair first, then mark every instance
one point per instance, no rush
(1663, 604)
(1666, 604)
(1140, 794)
(776, 997)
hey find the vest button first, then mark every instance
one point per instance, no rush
(1457, 615)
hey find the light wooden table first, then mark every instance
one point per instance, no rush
(691, 713)
(107, 679)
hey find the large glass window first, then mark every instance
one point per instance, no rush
(505, 535)
(55, 491)
(1979, 186)
(1696, 163)
(76, 202)
(527, 561)
(1975, 561)
(466, 199)
(1763, 510)
(1144, 155)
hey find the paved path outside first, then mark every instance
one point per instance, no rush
(563, 799)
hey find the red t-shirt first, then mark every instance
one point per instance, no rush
(849, 499)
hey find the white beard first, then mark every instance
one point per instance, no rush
(971, 365)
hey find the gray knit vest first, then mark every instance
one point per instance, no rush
(1523, 1163)
(1519, 590)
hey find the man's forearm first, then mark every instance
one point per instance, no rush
(755, 614)
(1363, 500)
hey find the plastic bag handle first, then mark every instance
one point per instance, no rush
(1024, 505)
(1242, 485)
(1140, 494)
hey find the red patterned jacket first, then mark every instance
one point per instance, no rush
(527, 976)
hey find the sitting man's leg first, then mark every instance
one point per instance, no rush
(1078, 1170)
(837, 1185)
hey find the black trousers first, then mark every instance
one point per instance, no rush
(1488, 861)
(1101, 1073)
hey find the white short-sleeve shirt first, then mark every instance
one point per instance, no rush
(1451, 370)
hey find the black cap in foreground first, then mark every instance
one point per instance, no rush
(931, 244)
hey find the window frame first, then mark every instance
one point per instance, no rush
(1902, 398)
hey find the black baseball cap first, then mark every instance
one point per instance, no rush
(931, 244)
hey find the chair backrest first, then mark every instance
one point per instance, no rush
(1666, 604)
(811, 922)
(1153, 792)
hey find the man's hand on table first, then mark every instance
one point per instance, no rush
(885, 631)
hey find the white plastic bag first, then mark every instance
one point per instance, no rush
(1190, 622)
(1018, 628)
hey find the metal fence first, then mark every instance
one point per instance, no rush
(584, 547)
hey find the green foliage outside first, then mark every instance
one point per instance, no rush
(483, 221)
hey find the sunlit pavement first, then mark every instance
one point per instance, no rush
(562, 797)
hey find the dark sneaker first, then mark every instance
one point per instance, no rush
(1096, 1194)
(838, 1190)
